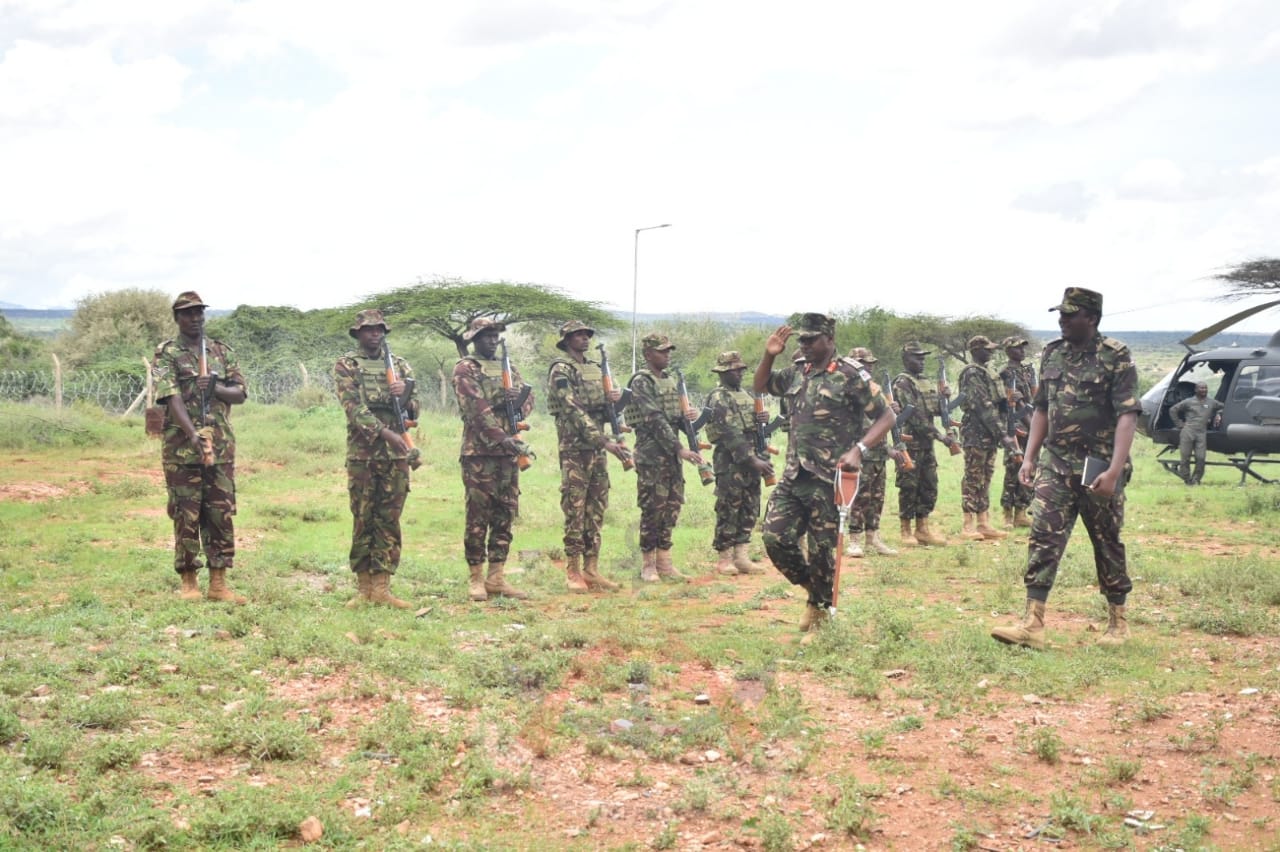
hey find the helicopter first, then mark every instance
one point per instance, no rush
(1245, 380)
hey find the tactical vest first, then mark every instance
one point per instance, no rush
(587, 385)
(741, 413)
(668, 398)
(374, 391)
(928, 393)
(490, 380)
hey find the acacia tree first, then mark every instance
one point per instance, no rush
(1251, 278)
(951, 336)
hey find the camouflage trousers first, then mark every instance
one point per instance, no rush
(492, 488)
(1059, 500)
(1014, 495)
(202, 503)
(799, 508)
(584, 496)
(659, 494)
(864, 516)
(918, 488)
(737, 506)
(975, 488)
(376, 491)
(1192, 443)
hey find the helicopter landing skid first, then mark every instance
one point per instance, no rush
(1244, 465)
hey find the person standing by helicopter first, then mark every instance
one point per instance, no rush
(1193, 416)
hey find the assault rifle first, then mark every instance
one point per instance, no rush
(205, 431)
(946, 405)
(514, 424)
(402, 423)
(763, 431)
(611, 411)
(1013, 414)
(905, 462)
(691, 427)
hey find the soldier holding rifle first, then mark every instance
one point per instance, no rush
(984, 433)
(198, 380)
(864, 517)
(918, 486)
(1019, 380)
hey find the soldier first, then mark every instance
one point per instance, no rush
(864, 517)
(731, 428)
(199, 460)
(379, 455)
(1021, 377)
(918, 488)
(489, 460)
(1086, 407)
(654, 413)
(982, 433)
(828, 398)
(576, 398)
(1193, 416)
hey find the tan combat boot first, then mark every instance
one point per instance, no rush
(813, 617)
(1008, 516)
(968, 531)
(742, 561)
(1021, 518)
(594, 579)
(666, 569)
(649, 568)
(364, 588)
(852, 548)
(985, 530)
(475, 585)
(380, 591)
(573, 574)
(496, 583)
(1117, 626)
(724, 564)
(190, 590)
(1030, 633)
(908, 537)
(925, 534)
(876, 544)
(220, 591)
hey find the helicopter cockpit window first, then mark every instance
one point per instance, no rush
(1257, 380)
(1209, 372)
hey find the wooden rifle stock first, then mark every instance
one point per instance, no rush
(403, 423)
(705, 473)
(905, 463)
(206, 427)
(611, 410)
(514, 424)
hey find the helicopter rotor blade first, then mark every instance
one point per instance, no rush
(1209, 331)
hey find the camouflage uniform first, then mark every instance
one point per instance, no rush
(1193, 417)
(827, 410)
(377, 474)
(654, 413)
(1013, 494)
(864, 515)
(918, 489)
(730, 427)
(982, 430)
(202, 499)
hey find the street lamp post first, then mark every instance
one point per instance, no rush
(635, 289)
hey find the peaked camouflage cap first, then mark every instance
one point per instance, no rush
(727, 361)
(571, 327)
(659, 342)
(188, 299)
(863, 354)
(1075, 298)
(812, 325)
(913, 347)
(368, 317)
(1014, 340)
(480, 325)
(981, 341)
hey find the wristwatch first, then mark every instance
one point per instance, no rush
(862, 448)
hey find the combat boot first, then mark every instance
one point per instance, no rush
(496, 583)
(925, 534)
(908, 537)
(665, 568)
(1021, 518)
(220, 591)
(724, 564)
(475, 586)
(1008, 516)
(649, 568)
(813, 617)
(968, 531)
(1117, 626)
(985, 530)
(1030, 633)
(364, 588)
(380, 591)
(190, 590)
(573, 574)
(742, 561)
(852, 548)
(594, 579)
(876, 544)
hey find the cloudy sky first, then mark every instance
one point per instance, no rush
(952, 158)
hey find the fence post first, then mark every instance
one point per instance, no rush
(146, 392)
(306, 379)
(57, 383)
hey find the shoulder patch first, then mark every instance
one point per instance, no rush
(1112, 343)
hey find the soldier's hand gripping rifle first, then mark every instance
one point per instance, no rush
(691, 427)
(945, 405)
(205, 430)
(611, 411)
(515, 425)
(402, 424)
(763, 431)
(905, 463)
(1013, 414)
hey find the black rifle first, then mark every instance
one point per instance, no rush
(611, 410)
(402, 422)
(206, 422)
(905, 463)
(514, 424)
(763, 431)
(705, 473)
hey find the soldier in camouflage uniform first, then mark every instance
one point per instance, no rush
(199, 458)
(379, 456)
(731, 426)
(576, 398)
(983, 433)
(489, 460)
(918, 488)
(828, 398)
(1193, 416)
(1021, 377)
(1086, 406)
(864, 516)
(654, 413)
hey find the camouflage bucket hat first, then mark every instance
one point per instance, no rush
(659, 342)
(812, 325)
(188, 299)
(1075, 298)
(863, 354)
(481, 324)
(1014, 340)
(727, 361)
(372, 316)
(569, 328)
(980, 341)
(913, 347)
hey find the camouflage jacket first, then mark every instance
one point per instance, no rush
(174, 369)
(575, 397)
(654, 413)
(1083, 393)
(828, 410)
(983, 425)
(918, 431)
(477, 382)
(1023, 379)
(731, 427)
(361, 385)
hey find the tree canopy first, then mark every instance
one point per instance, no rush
(111, 331)
(1251, 278)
